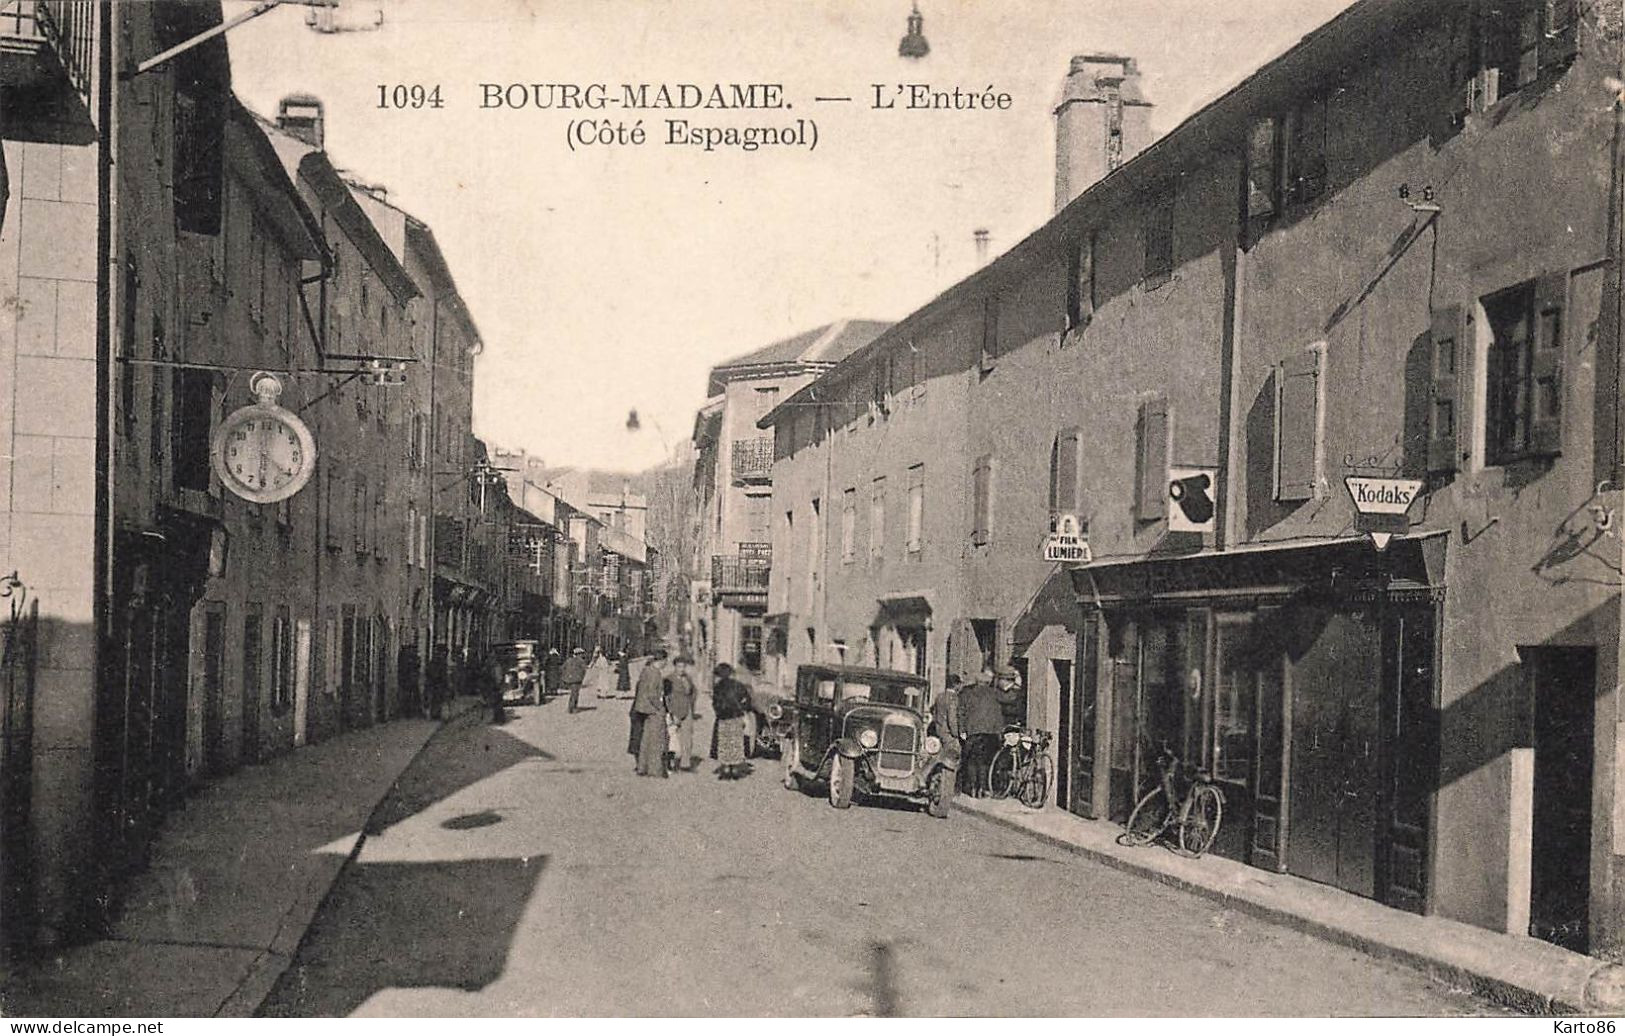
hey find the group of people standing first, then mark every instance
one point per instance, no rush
(665, 709)
(974, 716)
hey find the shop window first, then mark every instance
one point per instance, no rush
(1080, 283)
(982, 501)
(1151, 463)
(192, 408)
(1065, 482)
(1524, 396)
(877, 519)
(914, 542)
(990, 333)
(1299, 419)
(849, 522)
(1159, 240)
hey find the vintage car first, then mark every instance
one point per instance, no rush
(768, 721)
(521, 672)
(863, 732)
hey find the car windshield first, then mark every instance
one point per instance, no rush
(896, 694)
(852, 691)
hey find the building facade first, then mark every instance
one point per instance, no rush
(1334, 270)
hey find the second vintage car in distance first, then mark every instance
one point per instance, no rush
(864, 732)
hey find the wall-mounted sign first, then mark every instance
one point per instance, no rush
(263, 452)
(1382, 505)
(1068, 542)
(1192, 498)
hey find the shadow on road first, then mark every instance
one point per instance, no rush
(441, 925)
(462, 754)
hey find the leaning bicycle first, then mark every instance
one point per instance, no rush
(1022, 767)
(1185, 805)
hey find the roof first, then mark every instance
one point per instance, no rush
(258, 165)
(828, 344)
(1324, 52)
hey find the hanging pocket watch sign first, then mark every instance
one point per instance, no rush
(263, 452)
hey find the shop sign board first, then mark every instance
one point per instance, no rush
(1192, 498)
(1382, 505)
(1068, 543)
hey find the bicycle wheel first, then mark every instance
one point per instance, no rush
(1001, 775)
(1200, 824)
(1150, 816)
(1034, 790)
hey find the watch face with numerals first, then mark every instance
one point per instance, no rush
(263, 453)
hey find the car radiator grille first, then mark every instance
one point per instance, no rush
(896, 747)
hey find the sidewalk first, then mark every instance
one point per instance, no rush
(1517, 971)
(236, 877)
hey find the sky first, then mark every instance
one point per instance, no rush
(607, 278)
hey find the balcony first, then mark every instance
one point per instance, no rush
(47, 50)
(740, 575)
(753, 460)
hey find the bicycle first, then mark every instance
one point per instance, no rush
(1021, 767)
(1197, 814)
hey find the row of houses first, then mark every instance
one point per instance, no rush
(162, 248)
(1392, 252)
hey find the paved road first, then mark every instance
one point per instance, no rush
(524, 870)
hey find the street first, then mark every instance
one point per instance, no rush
(524, 870)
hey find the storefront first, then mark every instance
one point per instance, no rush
(1302, 676)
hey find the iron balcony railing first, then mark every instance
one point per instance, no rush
(67, 27)
(753, 459)
(734, 573)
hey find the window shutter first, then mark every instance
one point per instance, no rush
(964, 655)
(981, 500)
(1297, 426)
(1546, 409)
(1263, 174)
(1064, 481)
(990, 332)
(1151, 475)
(1561, 37)
(1450, 342)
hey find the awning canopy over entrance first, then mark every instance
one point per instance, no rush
(906, 601)
(1351, 568)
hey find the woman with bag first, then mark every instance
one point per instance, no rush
(731, 700)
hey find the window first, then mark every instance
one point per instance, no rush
(1263, 172)
(415, 449)
(815, 552)
(766, 399)
(375, 527)
(1151, 466)
(330, 654)
(1080, 283)
(914, 540)
(411, 535)
(423, 541)
(358, 515)
(877, 519)
(156, 431)
(1299, 422)
(1524, 396)
(281, 660)
(256, 271)
(990, 332)
(982, 501)
(1305, 143)
(849, 522)
(192, 408)
(331, 503)
(1065, 493)
(1159, 240)
(881, 373)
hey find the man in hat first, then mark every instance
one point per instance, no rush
(573, 673)
(1012, 696)
(982, 723)
(680, 695)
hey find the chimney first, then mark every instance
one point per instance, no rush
(1103, 120)
(300, 115)
(981, 236)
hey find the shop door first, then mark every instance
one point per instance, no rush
(1336, 686)
(215, 759)
(1077, 744)
(1564, 687)
(253, 654)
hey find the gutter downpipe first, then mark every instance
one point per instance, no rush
(1612, 930)
(1229, 405)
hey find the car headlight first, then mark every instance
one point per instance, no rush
(933, 744)
(868, 738)
(775, 711)
(1012, 737)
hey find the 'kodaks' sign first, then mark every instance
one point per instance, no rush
(1382, 495)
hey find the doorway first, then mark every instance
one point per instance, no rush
(215, 758)
(253, 653)
(1562, 693)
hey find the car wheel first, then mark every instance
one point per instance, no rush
(938, 790)
(792, 780)
(842, 774)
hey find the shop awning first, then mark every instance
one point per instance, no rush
(1348, 567)
(906, 601)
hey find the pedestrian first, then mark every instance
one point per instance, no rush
(649, 719)
(623, 676)
(574, 671)
(439, 680)
(982, 721)
(551, 671)
(601, 675)
(1012, 696)
(945, 722)
(730, 700)
(680, 698)
(496, 679)
(406, 668)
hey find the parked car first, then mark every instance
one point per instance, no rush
(768, 722)
(521, 672)
(863, 732)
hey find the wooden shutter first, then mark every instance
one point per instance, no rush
(1263, 172)
(1064, 493)
(964, 656)
(1297, 426)
(1560, 40)
(981, 500)
(1151, 469)
(1546, 366)
(990, 332)
(1451, 343)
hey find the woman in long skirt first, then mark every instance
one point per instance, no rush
(729, 698)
